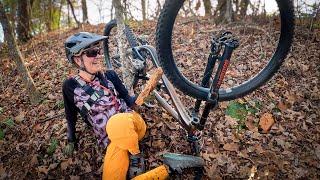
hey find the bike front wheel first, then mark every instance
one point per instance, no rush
(183, 45)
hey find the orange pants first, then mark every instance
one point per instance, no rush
(124, 131)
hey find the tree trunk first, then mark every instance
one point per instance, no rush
(23, 26)
(84, 11)
(143, 5)
(207, 7)
(124, 9)
(158, 8)
(34, 94)
(236, 11)
(69, 19)
(111, 11)
(225, 11)
(127, 75)
(244, 7)
(228, 17)
(74, 15)
(60, 10)
(48, 15)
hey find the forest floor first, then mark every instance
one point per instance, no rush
(32, 137)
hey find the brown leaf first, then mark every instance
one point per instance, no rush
(209, 156)
(251, 126)
(243, 153)
(51, 97)
(231, 121)
(271, 94)
(86, 167)
(266, 122)
(2, 172)
(53, 166)
(74, 177)
(258, 148)
(43, 169)
(291, 98)
(159, 144)
(34, 160)
(20, 117)
(231, 147)
(51, 114)
(64, 165)
(211, 171)
(223, 104)
(282, 106)
(252, 172)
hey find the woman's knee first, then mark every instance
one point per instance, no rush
(120, 125)
(119, 121)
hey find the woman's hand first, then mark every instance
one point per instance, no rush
(135, 107)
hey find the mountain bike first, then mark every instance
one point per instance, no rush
(247, 56)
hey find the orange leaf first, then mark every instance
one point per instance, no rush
(266, 122)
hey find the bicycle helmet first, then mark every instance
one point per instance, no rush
(75, 43)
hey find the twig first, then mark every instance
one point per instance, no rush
(49, 118)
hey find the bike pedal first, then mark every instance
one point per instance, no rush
(178, 162)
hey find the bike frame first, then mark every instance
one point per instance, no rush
(192, 123)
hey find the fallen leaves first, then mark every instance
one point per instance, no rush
(20, 117)
(250, 125)
(65, 164)
(266, 122)
(43, 169)
(231, 147)
(282, 106)
(317, 151)
(159, 144)
(34, 160)
(293, 140)
(252, 172)
(3, 173)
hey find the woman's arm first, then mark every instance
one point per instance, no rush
(70, 108)
(123, 92)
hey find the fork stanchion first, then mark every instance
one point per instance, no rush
(206, 78)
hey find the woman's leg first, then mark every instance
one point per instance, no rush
(124, 130)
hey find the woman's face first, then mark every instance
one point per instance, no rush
(91, 60)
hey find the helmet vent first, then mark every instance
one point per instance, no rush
(70, 45)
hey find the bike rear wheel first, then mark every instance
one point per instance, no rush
(110, 45)
(175, 52)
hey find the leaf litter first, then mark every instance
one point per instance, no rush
(232, 145)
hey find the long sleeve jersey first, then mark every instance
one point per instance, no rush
(115, 99)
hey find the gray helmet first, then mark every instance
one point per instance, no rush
(75, 43)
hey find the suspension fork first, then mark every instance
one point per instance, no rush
(213, 96)
(205, 81)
